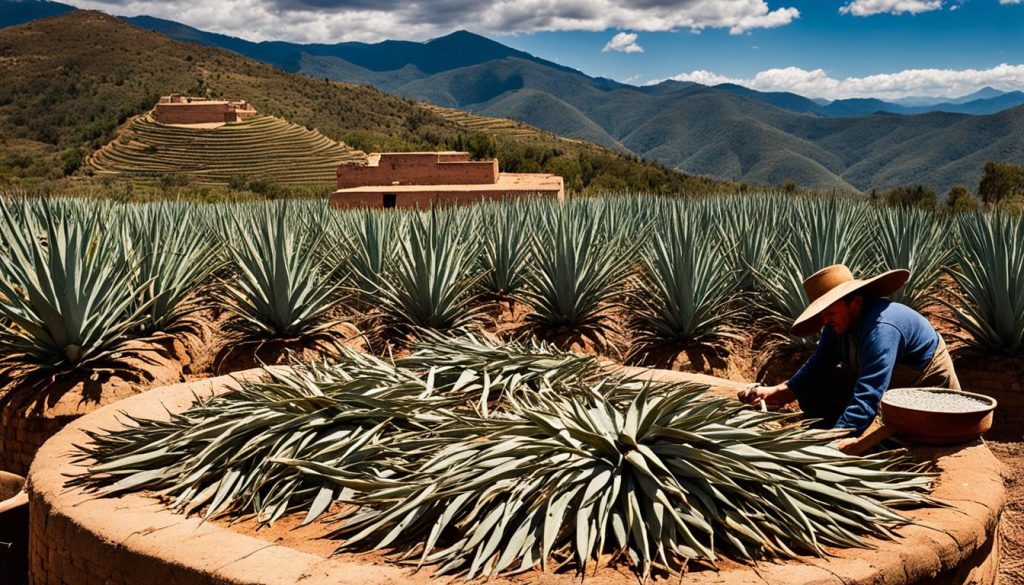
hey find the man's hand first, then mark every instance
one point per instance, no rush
(773, 396)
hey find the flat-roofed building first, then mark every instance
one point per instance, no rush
(423, 179)
(188, 111)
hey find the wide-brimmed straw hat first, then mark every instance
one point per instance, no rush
(832, 283)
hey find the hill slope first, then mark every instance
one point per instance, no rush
(71, 80)
(261, 147)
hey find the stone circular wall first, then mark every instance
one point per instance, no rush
(79, 539)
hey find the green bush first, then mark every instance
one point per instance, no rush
(1000, 181)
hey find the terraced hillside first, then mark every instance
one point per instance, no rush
(262, 147)
(496, 126)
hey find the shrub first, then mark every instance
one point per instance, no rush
(1000, 181)
(960, 200)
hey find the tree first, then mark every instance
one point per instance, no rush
(911, 196)
(1000, 181)
(960, 200)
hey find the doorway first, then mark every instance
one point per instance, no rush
(389, 200)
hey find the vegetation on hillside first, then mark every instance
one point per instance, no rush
(72, 80)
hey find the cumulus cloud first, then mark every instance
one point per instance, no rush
(331, 21)
(623, 43)
(872, 7)
(911, 82)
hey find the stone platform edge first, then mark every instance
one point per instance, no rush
(77, 539)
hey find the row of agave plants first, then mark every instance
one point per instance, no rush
(481, 459)
(78, 277)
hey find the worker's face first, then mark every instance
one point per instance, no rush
(841, 314)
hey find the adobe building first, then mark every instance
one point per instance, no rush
(423, 179)
(177, 109)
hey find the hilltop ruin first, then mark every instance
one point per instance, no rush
(189, 110)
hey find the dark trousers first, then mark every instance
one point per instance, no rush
(827, 402)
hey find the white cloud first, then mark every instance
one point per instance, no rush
(1010, 1)
(330, 21)
(623, 43)
(911, 82)
(872, 7)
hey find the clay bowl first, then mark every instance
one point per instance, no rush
(928, 427)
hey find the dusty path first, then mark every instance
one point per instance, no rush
(1011, 569)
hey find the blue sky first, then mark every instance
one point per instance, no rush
(819, 48)
(978, 34)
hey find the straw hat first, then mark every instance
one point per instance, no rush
(832, 283)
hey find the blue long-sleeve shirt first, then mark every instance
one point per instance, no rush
(887, 333)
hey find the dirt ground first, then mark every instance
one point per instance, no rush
(1011, 569)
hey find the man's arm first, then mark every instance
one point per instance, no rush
(812, 370)
(877, 356)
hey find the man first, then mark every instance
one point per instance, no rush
(868, 344)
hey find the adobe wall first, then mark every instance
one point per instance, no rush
(21, 436)
(419, 169)
(194, 113)
(77, 539)
(1001, 378)
(426, 199)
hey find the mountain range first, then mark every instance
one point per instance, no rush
(725, 131)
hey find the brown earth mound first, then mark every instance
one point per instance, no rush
(1011, 569)
(35, 406)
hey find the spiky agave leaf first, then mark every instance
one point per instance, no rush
(229, 454)
(433, 277)
(580, 268)
(66, 287)
(175, 260)
(919, 241)
(687, 291)
(669, 477)
(280, 287)
(480, 370)
(990, 282)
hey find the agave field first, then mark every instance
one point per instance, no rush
(467, 438)
(79, 278)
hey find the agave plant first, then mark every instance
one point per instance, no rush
(66, 287)
(505, 251)
(433, 275)
(919, 241)
(990, 282)
(687, 292)
(280, 289)
(752, 225)
(579, 270)
(372, 253)
(173, 262)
